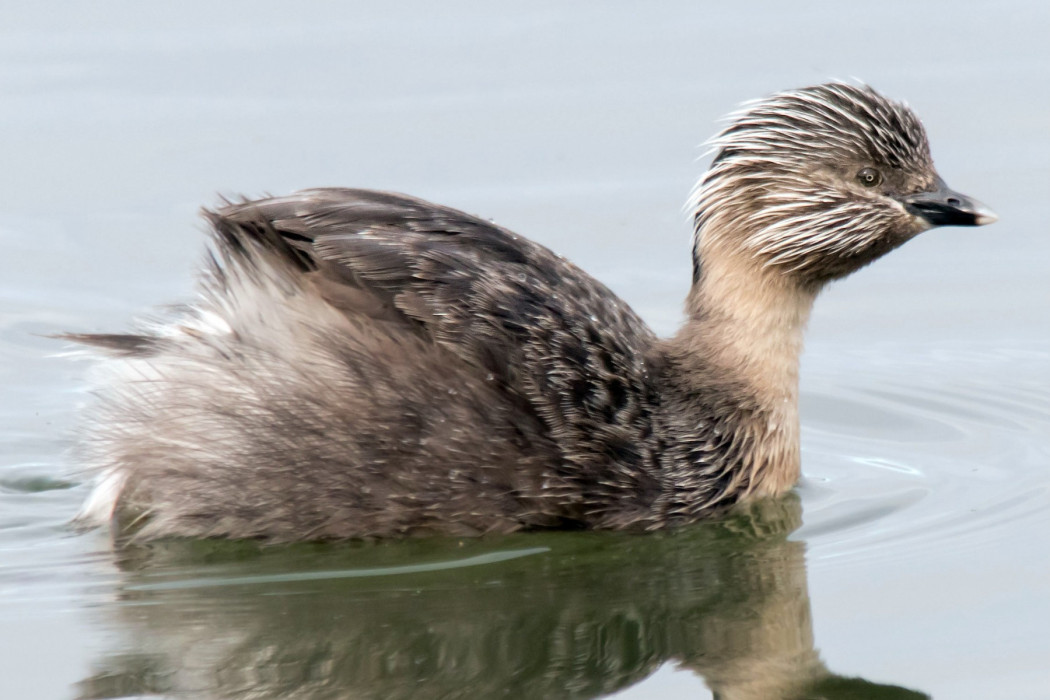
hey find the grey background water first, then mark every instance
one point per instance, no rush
(926, 431)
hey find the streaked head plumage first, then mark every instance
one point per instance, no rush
(819, 181)
(845, 120)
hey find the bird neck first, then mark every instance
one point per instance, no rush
(737, 360)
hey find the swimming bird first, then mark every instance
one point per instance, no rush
(363, 364)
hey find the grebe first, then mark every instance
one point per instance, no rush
(364, 364)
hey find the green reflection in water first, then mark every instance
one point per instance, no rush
(548, 615)
(257, 579)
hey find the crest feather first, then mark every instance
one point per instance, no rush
(761, 177)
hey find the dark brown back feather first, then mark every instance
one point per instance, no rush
(537, 326)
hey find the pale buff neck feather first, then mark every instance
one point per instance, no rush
(744, 334)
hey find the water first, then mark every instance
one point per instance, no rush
(913, 560)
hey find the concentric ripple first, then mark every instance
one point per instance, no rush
(924, 450)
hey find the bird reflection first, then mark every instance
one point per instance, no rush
(560, 615)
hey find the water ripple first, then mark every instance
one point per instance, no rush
(927, 451)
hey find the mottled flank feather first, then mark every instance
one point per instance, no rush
(366, 364)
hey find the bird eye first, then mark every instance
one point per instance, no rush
(869, 177)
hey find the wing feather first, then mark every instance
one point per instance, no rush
(539, 327)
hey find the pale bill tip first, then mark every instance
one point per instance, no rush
(983, 215)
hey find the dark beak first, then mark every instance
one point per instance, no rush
(946, 207)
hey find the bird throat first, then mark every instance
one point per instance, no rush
(740, 348)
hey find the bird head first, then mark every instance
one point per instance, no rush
(817, 182)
